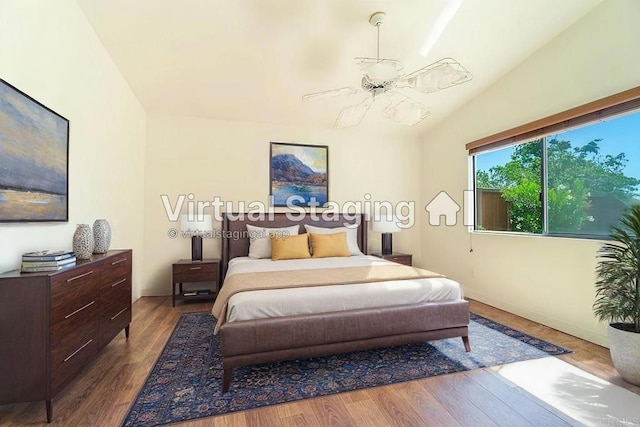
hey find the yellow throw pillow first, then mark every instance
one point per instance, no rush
(329, 245)
(289, 247)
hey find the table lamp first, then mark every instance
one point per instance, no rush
(386, 225)
(196, 225)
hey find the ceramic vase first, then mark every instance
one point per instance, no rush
(101, 236)
(83, 241)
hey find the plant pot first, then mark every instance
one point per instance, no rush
(625, 351)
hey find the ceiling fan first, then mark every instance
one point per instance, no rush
(385, 78)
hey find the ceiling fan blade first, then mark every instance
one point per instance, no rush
(330, 93)
(440, 75)
(380, 69)
(405, 110)
(352, 115)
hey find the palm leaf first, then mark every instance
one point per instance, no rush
(618, 273)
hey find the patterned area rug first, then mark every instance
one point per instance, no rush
(186, 381)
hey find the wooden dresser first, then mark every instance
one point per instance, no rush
(53, 324)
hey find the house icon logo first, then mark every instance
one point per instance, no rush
(442, 205)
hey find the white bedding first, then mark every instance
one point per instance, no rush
(322, 299)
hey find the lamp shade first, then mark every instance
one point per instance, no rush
(385, 224)
(196, 224)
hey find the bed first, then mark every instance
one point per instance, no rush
(261, 326)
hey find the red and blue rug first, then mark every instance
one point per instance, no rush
(186, 381)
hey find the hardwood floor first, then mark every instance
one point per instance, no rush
(103, 392)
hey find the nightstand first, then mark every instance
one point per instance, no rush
(396, 257)
(186, 270)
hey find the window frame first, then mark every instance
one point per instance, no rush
(606, 108)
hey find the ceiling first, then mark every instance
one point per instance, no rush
(252, 60)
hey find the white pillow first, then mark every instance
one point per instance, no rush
(350, 229)
(259, 241)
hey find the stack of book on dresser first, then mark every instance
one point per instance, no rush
(33, 262)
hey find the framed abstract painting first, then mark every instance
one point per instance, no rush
(299, 174)
(34, 148)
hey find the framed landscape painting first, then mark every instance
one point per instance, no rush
(34, 150)
(299, 174)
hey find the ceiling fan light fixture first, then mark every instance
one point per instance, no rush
(386, 77)
(380, 69)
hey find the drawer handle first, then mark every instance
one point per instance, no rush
(80, 276)
(118, 261)
(77, 351)
(119, 313)
(118, 282)
(195, 268)
(79, 310)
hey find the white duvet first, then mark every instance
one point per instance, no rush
(322, 299)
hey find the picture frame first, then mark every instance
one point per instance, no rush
(298, 174)
(34, 148)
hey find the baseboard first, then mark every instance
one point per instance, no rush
(543, 319)
(155, 293)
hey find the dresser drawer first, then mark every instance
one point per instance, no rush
(115, 269)
(116, 315)
(74, 280)
(72, 294)
(82, 313)
(195, 273)
(72, 353)
(111, 290)
(114, 303)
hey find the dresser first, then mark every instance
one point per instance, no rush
(53, 324)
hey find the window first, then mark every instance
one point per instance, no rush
(572, 183)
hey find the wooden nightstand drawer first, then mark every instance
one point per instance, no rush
(405, 259)
(195, 272)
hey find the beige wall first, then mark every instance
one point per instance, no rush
(210, 158)
(549, 280)
(121, 161)
(49, 51)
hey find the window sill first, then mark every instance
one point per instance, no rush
(558, 235)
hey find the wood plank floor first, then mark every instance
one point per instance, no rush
(103, 392)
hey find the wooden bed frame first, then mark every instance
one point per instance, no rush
(251, 342)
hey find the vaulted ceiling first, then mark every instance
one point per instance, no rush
(253, 60)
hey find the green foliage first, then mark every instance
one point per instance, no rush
(618, 272)
(597, 173)
(574, 174)
(525, 207)
(520, 182)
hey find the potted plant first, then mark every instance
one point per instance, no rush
(618, 294)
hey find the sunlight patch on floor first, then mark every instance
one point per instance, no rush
(578, 394)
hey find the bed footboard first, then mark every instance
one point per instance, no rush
(270, 340)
